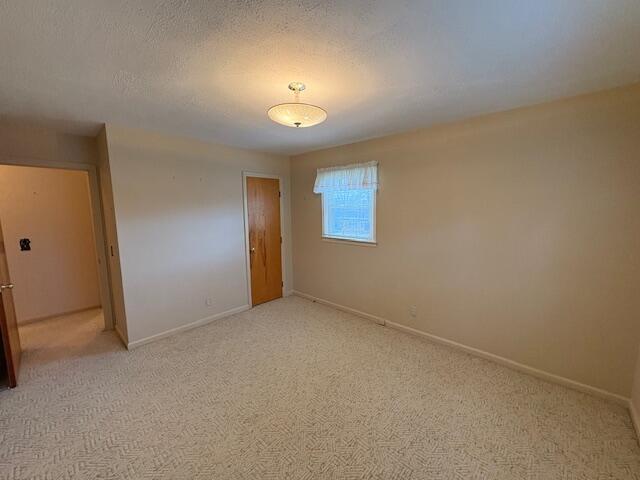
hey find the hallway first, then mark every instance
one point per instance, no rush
(65, 338)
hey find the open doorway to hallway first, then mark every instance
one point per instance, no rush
(50, 249)
(62, 336)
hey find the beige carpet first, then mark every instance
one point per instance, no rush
(297, 390)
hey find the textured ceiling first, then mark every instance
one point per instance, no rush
(210, 69)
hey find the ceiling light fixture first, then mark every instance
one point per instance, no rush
(297, 114)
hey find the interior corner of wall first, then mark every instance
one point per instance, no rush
(109, 130)
(102, 133)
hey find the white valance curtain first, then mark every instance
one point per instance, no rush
(347, 177)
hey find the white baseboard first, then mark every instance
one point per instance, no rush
(550, 377)
(288, 293)
(188, 326)
(635, 419)
(368, 316)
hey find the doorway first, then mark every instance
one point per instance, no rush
(53, 259)
(263, 218)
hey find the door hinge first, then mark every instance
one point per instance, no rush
(280, 239)
(282, 284)
(279, 194)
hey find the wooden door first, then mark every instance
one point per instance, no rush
(263, 205)
(8, 321)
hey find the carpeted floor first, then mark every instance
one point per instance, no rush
(293, 389)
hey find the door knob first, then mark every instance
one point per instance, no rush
(8, 285)
(253, 249)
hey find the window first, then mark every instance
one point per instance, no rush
(349, 214)
(349, 201)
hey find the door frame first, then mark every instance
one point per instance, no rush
(97, 214)
(245, 175)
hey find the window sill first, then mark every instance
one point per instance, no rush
(360, 243)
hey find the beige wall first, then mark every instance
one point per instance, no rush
(52, 208)
(515, 233)
(21, 141)
(179, 215)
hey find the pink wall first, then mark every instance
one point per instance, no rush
(52, 208)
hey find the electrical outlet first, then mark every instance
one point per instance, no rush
(208, 301)
(413, 310)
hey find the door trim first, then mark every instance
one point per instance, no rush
(245, 175)
(97, 213)
(8, 353)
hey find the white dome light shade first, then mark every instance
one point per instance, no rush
(297, 115)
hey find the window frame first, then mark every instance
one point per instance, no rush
(356, 241)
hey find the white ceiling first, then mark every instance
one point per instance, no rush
(210, 69)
